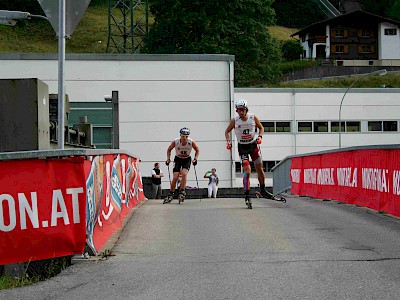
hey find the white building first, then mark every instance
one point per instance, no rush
(300, 121)
(159, 94)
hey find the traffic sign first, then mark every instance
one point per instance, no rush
(75, 10)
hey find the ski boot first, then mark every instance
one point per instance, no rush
(181, 196)
(264, 193)
(169, 198)
(248, 201)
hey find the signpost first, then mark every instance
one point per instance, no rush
(63, 16)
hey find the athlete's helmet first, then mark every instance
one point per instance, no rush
(241, 104)
(185, 131)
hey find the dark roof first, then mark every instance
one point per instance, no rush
(358, 14)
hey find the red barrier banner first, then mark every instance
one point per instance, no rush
(42, 209)
(368, 178)
(114, 187)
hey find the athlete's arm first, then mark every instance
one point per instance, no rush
(259, 126)
(171, 146)
(229, 129)
(196, 149)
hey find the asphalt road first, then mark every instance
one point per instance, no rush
(218, 249)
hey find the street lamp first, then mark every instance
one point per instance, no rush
(378, 72)
(8, 17)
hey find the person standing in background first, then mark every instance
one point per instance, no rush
(156, 175)
(212, 183)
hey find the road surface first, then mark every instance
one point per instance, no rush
(219, 249)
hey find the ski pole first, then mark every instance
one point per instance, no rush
(195, 173)
(169, 175)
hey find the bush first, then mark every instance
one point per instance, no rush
(291, 50)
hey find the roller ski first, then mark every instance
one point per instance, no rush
(181, 196)
(267, 195)
(169, 198)
(248, 202)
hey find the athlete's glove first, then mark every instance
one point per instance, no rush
(229, 145)
(259, 139)
(194, 161)
(167, 162)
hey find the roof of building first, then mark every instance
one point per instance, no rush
(355, 15)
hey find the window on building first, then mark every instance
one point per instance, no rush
(320, 126)
(335, 126)
(316, 126)
(338, 32)
(268, 126)
(349, 126)
(365, 33)
(374, 126)
(282, 126)
(304, 127)
(389, 125)
(382, 125)
(353, 126)
(390, 31)
(339, 49)
(366, 48)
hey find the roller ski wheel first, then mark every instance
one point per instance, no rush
(271, 197)
(168, 199)
(248, 202)
(181, 196)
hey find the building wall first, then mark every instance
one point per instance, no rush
(321, 105)
(389, 44)
(159, 94)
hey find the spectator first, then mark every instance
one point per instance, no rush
(212, 182)
(156, 175)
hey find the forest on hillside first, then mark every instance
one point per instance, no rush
(289, 13)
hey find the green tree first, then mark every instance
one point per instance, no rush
(394, 11)
(291, 50)
(236, 27)
(296, 14)
(388, 8)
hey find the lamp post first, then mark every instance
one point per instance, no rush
(378, 72)
(9, 17)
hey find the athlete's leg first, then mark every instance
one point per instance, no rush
(184, 173)
(258, 164)
(174, 180)
(260, 173)
(246, 173)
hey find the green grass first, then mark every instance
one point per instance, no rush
(37, 36)
(387, 81)
(32, 274)
(281, 33)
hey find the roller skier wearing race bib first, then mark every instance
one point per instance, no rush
(182, 161)
(245, 125)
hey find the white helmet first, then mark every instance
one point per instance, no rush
(185, 131)
(241, 104)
